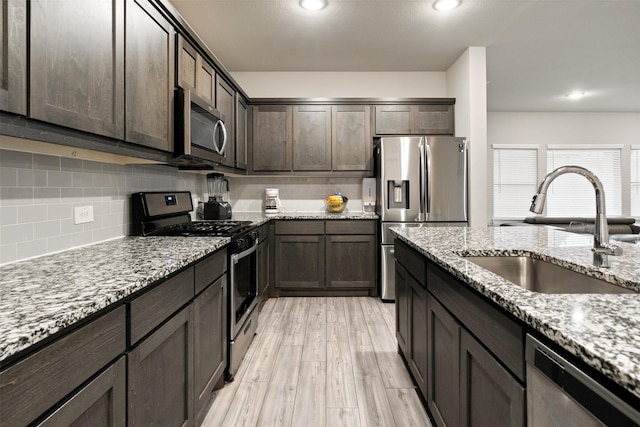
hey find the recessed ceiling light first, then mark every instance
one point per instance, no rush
(575, 95)
(446, 4)
(313, 4)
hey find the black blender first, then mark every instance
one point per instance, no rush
(216, 207)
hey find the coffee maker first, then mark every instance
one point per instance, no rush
(216, 207)
(272, 201)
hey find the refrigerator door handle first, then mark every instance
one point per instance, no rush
(423, 180)
(428, 179)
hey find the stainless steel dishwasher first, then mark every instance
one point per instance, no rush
(560, 394)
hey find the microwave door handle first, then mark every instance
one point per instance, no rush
(220, 150)
(423, 181)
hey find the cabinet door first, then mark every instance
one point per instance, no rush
(13, 56)
(225, 102)
(77, 68)
(418, 361)
(394, 119)
(489, 395)
(443, 373)
(300, 261)
(161, 375)
(150, 59)
(187, 64)
(351, 137)
(403, 310)
(101, 403)
(205, 80)
(351, 261)
(433, 119)
(242, 123)
(312, 138)
(271, 144)
(209, 343)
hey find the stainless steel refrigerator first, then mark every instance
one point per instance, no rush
(421, 181)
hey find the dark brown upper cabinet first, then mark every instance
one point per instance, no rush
(225, 102)
(272, 138)
(323, 138)
(436, 119)
(312, 138)
(150, 67)
(13, 56)
(351, 138)
(194, 72)
(76, 67)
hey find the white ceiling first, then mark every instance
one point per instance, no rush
(537, 50)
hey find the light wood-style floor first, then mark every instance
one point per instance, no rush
(321, 362)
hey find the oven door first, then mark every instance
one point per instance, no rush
(244, 287)
(200, 133)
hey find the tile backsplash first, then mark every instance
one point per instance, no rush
(297, 194)
(38, 194)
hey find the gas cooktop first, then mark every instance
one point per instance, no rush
(223, 228)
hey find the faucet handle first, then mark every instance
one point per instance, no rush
(608, 249)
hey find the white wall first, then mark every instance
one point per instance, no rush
(560, 128)
(467, 82)
(342, 84)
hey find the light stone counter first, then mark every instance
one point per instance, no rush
(42, 296)
(603, 330)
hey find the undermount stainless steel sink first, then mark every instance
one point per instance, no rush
(542, 276)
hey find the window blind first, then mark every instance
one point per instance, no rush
(514, 181)
(573, 195)
(635, 181)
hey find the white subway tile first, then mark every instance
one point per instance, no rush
(60, 211)
(8, 253)
(59, 179)
(15, 196)
(46, 229)
(8, 177)
(44, 162)
(16, 159)
(32, 249)
(59, 243)
(8, 215)
(16, 233)
(32, 213)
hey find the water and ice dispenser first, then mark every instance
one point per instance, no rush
(397, 194)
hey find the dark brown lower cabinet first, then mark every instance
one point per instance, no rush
(444, 365)
(350, 261)
(209, 344)
(334, 257)
(489, 395)
(403, 309)
(418, 361)
(448, 336)
(300, 261)
(161, 375)
(101, 403)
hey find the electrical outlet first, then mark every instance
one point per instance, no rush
(83, 214)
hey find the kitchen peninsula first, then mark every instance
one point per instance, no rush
(597, 331)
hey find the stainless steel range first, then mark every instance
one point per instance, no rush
(167, 214)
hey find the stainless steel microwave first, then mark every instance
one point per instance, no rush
(200, 135)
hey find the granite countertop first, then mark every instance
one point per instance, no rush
(40, 297)
(260, 218)
(603, 330)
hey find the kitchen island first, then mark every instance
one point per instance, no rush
(600, 330)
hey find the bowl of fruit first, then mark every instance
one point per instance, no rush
(336, 203)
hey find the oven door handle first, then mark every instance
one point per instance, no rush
(252, 249)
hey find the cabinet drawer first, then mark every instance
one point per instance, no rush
(35, 384)
(153, 307)
(351, 227)
(209, 269)
(415, 263)
(300, 227)
(503, 336)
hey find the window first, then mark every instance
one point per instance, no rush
(573, 195)
(515, 180)
(635, 181)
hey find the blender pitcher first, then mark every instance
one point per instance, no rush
(216, 207)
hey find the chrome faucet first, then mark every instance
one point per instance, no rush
(601, 246)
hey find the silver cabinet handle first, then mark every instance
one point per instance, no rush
(423, 180)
